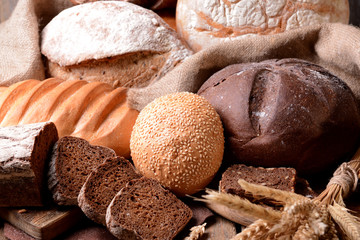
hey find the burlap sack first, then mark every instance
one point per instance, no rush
(333, 46)
(20, 57)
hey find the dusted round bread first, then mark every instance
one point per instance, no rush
(178, 139)
(204, 23)
(287, 112)
(152, 4)
(115, 42)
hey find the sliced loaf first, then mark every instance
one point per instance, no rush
(24, 152)
(102, 185)
(145, 210)
(279, 178)
(71, 162)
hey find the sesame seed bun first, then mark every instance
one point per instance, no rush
(178, 139)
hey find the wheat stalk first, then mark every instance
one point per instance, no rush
(284, 197)
(242, 205)
(257, 230)
(196, 232)
(347, 222)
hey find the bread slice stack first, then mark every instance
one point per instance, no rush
(104, 185)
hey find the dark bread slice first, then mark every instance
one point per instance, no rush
(279, 178)
(24, 153)
(102, 185)
(145, 210)
(72, 161)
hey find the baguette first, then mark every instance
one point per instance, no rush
(93, 111)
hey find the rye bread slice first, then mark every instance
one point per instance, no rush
(278, 178)
(71, 162)
(102, 185)
(145, 210)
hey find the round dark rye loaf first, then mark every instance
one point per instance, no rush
(71, 162)
(285, 113)
(145, 210)
(102, 185)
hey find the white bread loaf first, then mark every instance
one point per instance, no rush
(115, 42)
(92, 111)
(152, 4)
(206, 22)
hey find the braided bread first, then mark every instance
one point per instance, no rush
(93, 111)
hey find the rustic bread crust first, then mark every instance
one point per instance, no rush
(152, 4)
(122, 30)
(204, 23)
(24, 152)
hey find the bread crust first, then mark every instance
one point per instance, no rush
(205, 23)
(284, 113)
(24, 152)
(92, 111)
(123, 31)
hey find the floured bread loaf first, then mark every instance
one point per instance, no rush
(103, 184)
(152, 4)
(72, 160)
(24, 152)
(92, 111)
(115, 42)
(204, 23)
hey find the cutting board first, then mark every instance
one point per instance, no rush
(42, 223)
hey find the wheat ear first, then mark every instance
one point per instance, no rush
(348, 223)
(256, 230)
(284, 197)
(241, 205)
(196, 232)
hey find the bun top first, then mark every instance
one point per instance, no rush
(104, 29)
(204, 23)
(284, 113)
(178, 139)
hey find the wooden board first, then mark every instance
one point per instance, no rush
(42, 223)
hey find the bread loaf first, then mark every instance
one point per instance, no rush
(204, 23)
(145, 210)
(152, 4)
(285, 113)
(115, 42)
(92, 111)
(277, 178)
(24, 152)
(102, 184)
(72, 160)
